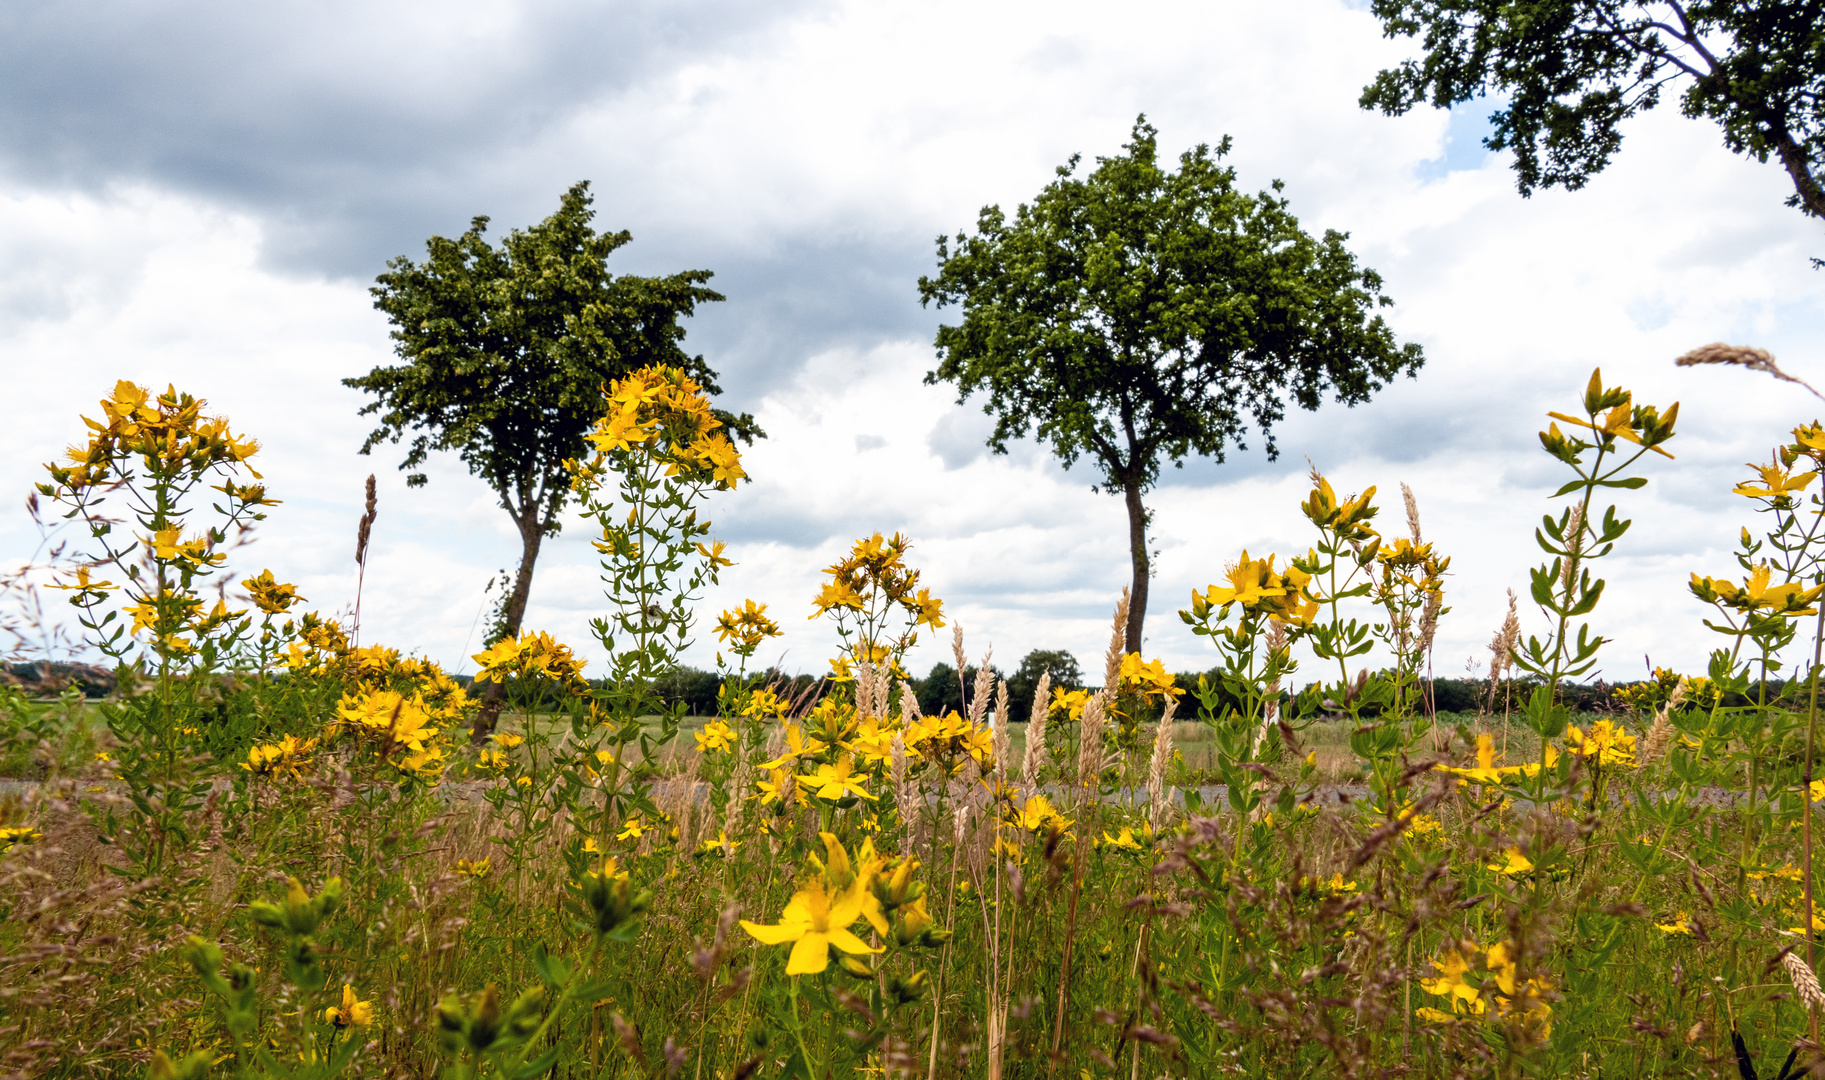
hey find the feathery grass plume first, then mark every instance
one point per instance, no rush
(1428, 620)
(1406, 495)
(362, 532)
(1002, 746)
(979, 694)
(1090, 741)
(1036, 733)
(957, 651)
(1574, 543)
(1660, 732)
(909, 704)
(870, 684)
(1501, 649)
(1118, 648)
(902, 788)
(1805, 981)
(1742, 356)
(1156, 768)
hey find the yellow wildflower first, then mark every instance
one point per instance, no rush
(351, 1013)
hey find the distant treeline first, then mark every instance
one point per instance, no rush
(938, 691)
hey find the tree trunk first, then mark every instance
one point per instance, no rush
(532, 534)
(1137, 548)
(1793, 159)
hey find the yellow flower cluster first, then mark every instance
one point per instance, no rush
(662, 412)
(1486, 771)
(287, 757)
(270, 595)
(1146, 677)
(1758, 594)
(1260, 589)
(169, 433)
(1606, 742)
(715, 737)
(1524, 1003)
(868, 584)
(319, 645)
(532, 654)
(399, 727)
(1347, 518)
(1622, 419)
(746, 627)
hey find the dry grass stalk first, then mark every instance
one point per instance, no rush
(1660, 732)
(1002, 746)
(909, 704)
(1574, 545)
(1090, 742)
(962, 663)
(362, 533)
(902, 787)
(1406, 494)
(1036, 733)
(1156, 767)
(1501, 648)
(979, 694)
(1742, 356)
(872, 687)
(1118, 647)
(1805, 981)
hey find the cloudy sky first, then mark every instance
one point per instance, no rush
(201, 194)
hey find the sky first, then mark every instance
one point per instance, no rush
(201, 194)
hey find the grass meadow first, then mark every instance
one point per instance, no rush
(278, 850)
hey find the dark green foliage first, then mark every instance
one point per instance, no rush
(1573, 70)
(1066, 675)
(1141, 314)
(507, 352)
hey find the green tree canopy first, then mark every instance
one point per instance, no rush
(507, 351)
(1140, 314)
(1573, 70)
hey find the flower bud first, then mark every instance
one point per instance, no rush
(855, 966)
(905, 991)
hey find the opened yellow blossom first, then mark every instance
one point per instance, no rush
(836, 782)
(816, 918)
(716, 736)
(1513, 862)
(351, 1013)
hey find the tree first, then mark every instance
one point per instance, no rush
(1139, 313)
(1574, 70)
(507, 355)
(1061, 665)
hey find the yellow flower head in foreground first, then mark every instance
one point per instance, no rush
(836, 782)
(477, 868)
(1258, 587)
(820, 915)
(1777, 483)
(1452, 965)
(1681, 924)
(1606, 742)
(1070, 702)
(1513, 862)
(715, 736)
(351, 1013)
(1149, 677)
(287, 757)
(1757, 593)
